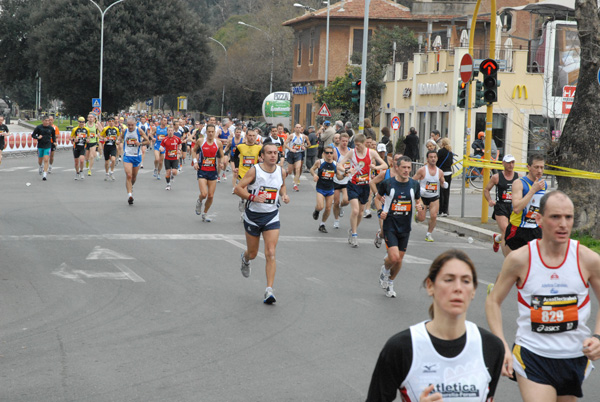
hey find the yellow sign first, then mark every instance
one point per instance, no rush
(521, 90)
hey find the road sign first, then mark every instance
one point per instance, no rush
(568, 96)
(466, 68)
(97, 111)
(395, 123)
(97, 102)
(149, 102)
(324, 111)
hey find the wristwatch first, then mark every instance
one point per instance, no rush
(597, 336)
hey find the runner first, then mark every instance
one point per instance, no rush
(553, 274)
(340, 195)
(377, 177)
(79, 136)
(158, 134)
(110, 135)
(171, 146)
(273, 138)
(53, 148)
(3, 134)
(526, 195)
(263, 186)
(230, 148)
(226, 133)
(295, 146)
(92, 143)
(132, 140)
(358, 188)
(446, 358)
(43, 134)
(323, 172)
(402, 197)
(145, 126)
(247, 154)
(431, 178)
(503, 181)
(205, 153)
(391, 172)
(183, 133)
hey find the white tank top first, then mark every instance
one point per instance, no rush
(463, 378)
(269, 184)
(296, 142)
(347, 165)
(430, 185)
(554, 306)
(129, 139)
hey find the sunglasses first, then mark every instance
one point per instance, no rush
(326, 152)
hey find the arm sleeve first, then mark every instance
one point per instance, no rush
(391, 368)
(493, 355)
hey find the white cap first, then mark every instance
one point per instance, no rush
(508, 158)
(381, 147)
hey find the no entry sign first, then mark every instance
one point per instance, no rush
(466, 68)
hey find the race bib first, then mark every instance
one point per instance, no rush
(431, 187)
(172, 153)
(507, 196)
(161, 137)
(208, 162)
(248, 161)
(131, 142)
(327, 174)
(362, 178)
(297, 147)
(554, 314)
(531, 214)
(401, 207)
(270, 192)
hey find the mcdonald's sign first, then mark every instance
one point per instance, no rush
(520, 90)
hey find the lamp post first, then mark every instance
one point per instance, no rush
(272, 50)
(226, 62)
(102, 13)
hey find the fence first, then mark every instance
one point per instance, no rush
(22, 142)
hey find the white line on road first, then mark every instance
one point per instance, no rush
(128, 272)
(242, 246)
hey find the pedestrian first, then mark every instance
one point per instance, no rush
(368, 130)
(412, 145)
(351, 133)
(478, 145)
(431, 179)
(553, 345)
(263, 186)
(436, 137)
(446, 358)
(385, 139)
(444, 162)
(43, 134)
(502, 205)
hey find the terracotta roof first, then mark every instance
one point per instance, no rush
(378, 10)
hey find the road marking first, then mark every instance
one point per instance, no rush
(14, 169)
(411, 259)
(105, 254)
(128, 272)
(76, 274)
(243, 247)
(365, 302)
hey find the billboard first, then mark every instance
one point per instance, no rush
(277, 108)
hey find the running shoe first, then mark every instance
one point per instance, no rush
(245, 267)
(322, 229)
(233, 191)
(367, 213)
(141, 166)
(205, 218)
(341, 212)
(269, 296)
(198, 206)
(354, 241)
(49, 169)
(76, 176)
(155, 172)
(496, 245)
(224, 178)
(378, 239)
(336, 224)
(383, 278)
(106, 177)
(241, 206)
(389, 290)
(158, 176)
(89, 172)
(40, 170)
(81, 175)
(316, 215)
(296, 187)
(130, 200)
(44, 178)
(218, 180)
(429, 238)
(168, 187)
(112, 176)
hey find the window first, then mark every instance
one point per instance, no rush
(357, 41)
(498, 130)
(444, 124)
(299, 50)
(539, 138)
(296, 114)
(308, 115)
(311, 52)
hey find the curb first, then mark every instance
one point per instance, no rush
(464, 229)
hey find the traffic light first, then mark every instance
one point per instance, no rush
(461, 99)
(489, 69)
(356, 91)
(479, 94)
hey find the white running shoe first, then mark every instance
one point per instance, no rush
(168, 187)
(354, 241)
(40, 170)
(341, 212)
(367, 213)
(336, 224)
(269, 296)
(112, 176)
(205, 218)
(389, 290)
(81, 175)
(378, 240)
(383, 278)
(198, 206)
(76, 176)
(155, 172)
(245, 267)
(429, 238)
(50, 169)
(349, 236)
(106, 177)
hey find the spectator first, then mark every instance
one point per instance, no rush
(445, 160)
(326, 133)
(339, 127)
(478, 145)
(311, 153)
(412, 145)
(350, 133)
(437, 137)
(385, 139)
(369, 132)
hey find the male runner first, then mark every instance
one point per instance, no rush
(92, 142)
(171, 146)
(431, 178)
(236, 139)
(3, 134)
(183, 134)
(323, 172)
(340, 195)
(158, 134)
(132, 139)
(503, 181)
(205, 154)
(145, 126)
(263, 186)
(247, 153)
(79, 136)
(53, 147)
(273, 138)
(553, 274)
(226, 133)
(362, 161)
(111, 134)
(526, 195)
(43, 134)
(402, 194)
(296, 144)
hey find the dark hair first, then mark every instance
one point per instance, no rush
(547, 196)
(535, 157)
(385, 131)
(210, 125)
(403, 159)
(412, 130)
(441, 260)
(431, 152)
(436, 132)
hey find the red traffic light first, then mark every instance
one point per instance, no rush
(358, 83)
(488, 66)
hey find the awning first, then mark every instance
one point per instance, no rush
(547, 7)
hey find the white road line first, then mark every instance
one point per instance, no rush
(128, 272)
(243, 247)
(365, 302)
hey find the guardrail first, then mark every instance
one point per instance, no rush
(22, 142)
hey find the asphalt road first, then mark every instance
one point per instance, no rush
(102, 301)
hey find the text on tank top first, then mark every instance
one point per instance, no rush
(267, 184)
(504, 188)
(209, 156)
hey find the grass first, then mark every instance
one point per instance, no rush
(62, 124)
(587, 240)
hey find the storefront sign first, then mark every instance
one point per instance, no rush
(439, 88)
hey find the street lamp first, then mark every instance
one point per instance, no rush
(307, 8)
(272, 50)
(102, 44)
(226, 62)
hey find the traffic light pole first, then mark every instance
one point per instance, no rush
(465, 148)
(363, 76)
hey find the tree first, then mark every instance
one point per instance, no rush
(578, 145)
(150, 49)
